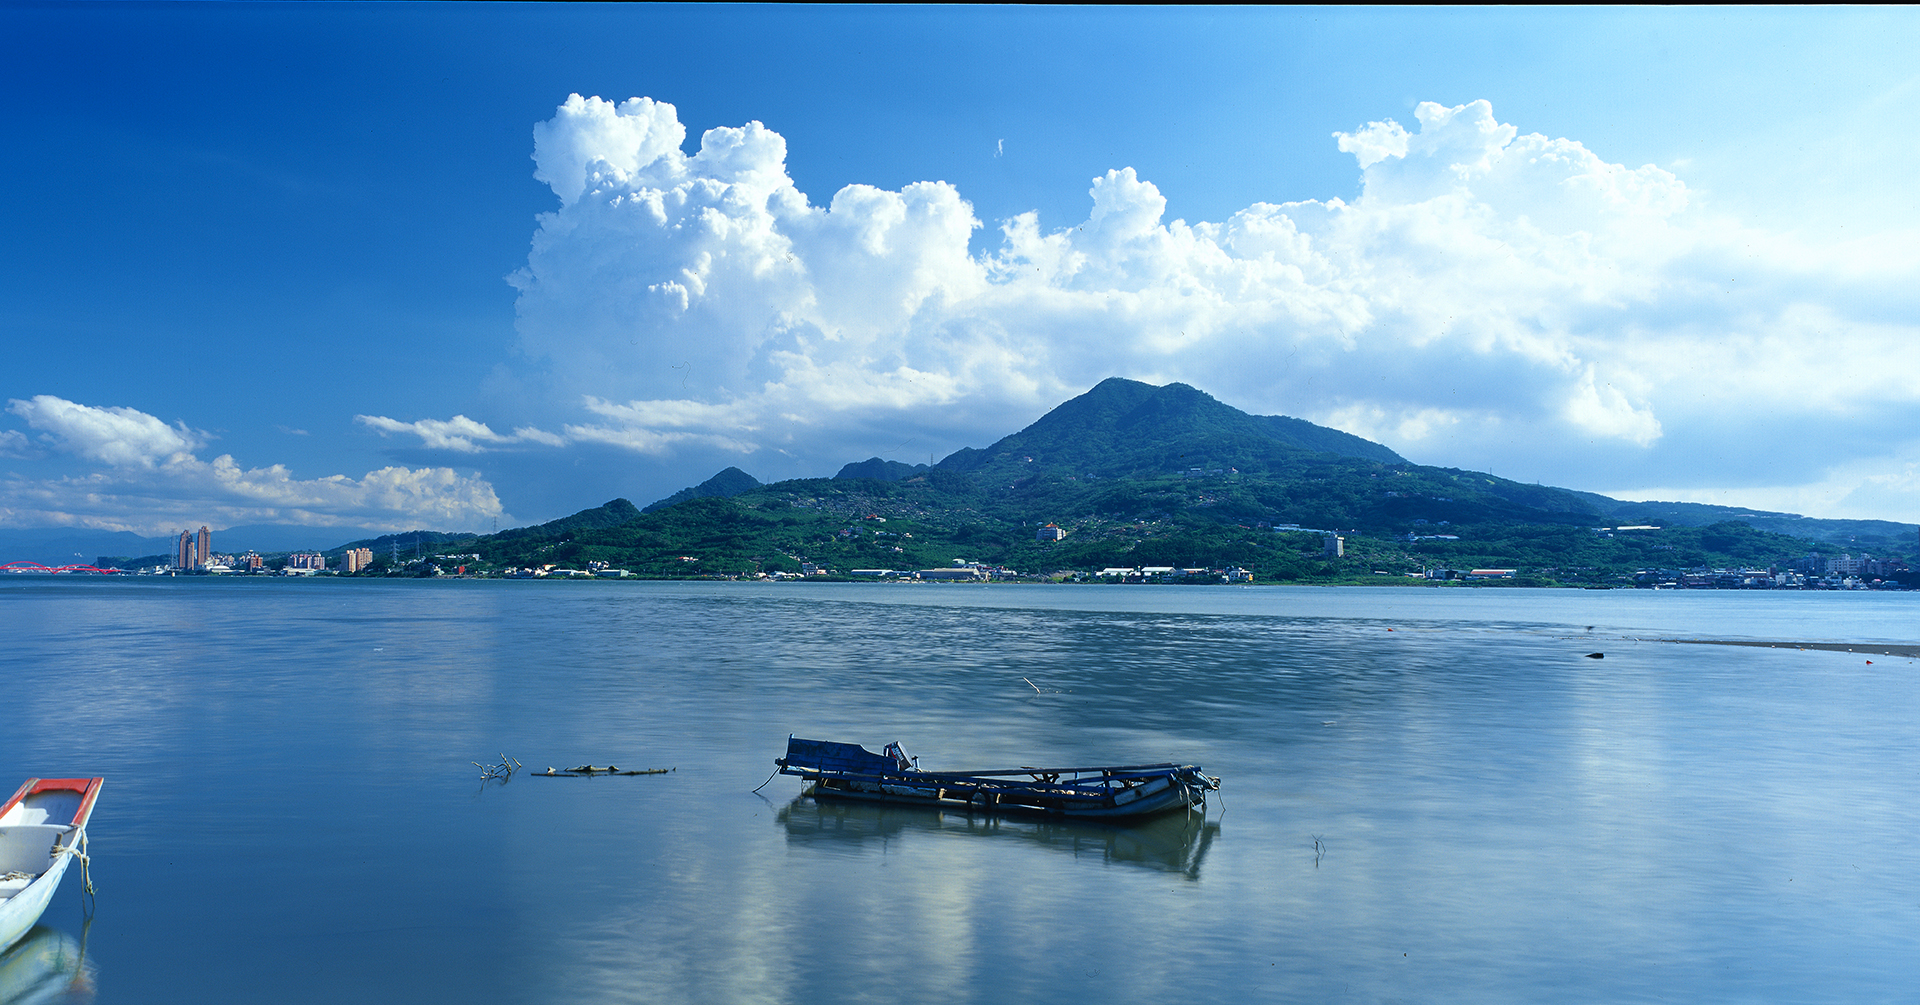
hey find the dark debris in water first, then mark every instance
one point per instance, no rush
(589, 771)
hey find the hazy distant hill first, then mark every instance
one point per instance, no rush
(1124, 428)
(57, 546)
(265, 538)
(730, 482)
(409, 543)
(1861, 533)
(881, 471)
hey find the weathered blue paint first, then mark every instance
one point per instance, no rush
(850, 771)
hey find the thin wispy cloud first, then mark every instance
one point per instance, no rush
(459, 434)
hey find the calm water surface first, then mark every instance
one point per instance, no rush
(1459, 809)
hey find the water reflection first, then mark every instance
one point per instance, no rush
(1507, 820)
(1173, 843)
(47, 965)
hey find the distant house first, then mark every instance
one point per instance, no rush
(1049, 533)
(1492, 573)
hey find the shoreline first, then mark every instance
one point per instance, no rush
(1863, 648)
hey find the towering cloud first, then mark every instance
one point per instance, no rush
(1490, 298)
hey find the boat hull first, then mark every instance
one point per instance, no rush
(20, 912)
(848, 771)
(1172, 799)
(42, 828)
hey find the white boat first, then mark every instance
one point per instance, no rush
(42, 829)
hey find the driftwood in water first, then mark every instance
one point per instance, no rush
(588, 771)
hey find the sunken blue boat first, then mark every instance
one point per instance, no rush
(850, 771)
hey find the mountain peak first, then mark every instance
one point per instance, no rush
(1125, 427)
(881, 470)
(728, 483)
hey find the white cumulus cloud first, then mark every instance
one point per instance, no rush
(122, 437)
(1491, 295)
(153, 481)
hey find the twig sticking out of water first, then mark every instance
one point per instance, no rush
(1319, 850)
(1036, 687)
(504, 770)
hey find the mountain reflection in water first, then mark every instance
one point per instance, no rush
(1174, 842)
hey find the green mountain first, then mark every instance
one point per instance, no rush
(613, 513)
(1137, 475)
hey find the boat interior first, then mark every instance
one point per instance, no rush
(40, 816)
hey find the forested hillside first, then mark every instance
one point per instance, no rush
(1137, 475)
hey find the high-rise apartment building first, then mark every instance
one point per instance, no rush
(355, 559)
(193, 551)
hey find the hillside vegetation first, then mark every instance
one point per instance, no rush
(1140, 476)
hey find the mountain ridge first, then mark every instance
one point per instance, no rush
(1088, 434)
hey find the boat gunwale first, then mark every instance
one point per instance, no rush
(88, 788)
(1117, 771)
(999, 777)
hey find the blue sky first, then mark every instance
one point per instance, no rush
(287, 263)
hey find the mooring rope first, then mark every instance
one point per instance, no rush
(86, 863)
(763, 785)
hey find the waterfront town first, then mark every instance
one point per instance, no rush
(194, 555)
